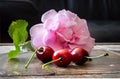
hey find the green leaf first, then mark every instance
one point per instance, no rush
(18, 27)
(27, 46)
(18, 32)
(13, 54)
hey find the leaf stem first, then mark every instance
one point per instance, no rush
(30, 59)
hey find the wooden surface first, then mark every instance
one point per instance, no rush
(105, 67)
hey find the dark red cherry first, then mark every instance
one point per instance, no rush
(79, 56)
(45, 54)
(65, 58)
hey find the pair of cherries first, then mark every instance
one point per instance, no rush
(63, 57)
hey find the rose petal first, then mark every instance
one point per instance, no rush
(51, 40)
(51, 23)
(37, 32)
(88, 47)
(36, 42)
(48, 14)
(65, 33)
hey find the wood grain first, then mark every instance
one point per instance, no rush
(105, 67)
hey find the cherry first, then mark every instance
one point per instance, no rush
(80, 56)
(45, 54)
(64, 57)
(61, 58)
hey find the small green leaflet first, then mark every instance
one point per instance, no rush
(18, 33)
(27, 46)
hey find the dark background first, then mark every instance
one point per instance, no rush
(103, 16)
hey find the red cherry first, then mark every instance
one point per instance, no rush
(65, 56)
(78, 56)
(45, 54)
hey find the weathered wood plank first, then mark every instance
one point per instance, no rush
(16, 66)
(106, 67)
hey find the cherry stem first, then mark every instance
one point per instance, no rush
(93, 57)
(44, 66)
(30, 59)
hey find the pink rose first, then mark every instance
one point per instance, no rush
(62, 29)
